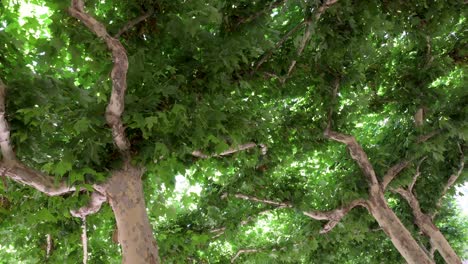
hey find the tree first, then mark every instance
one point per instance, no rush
(227, 102)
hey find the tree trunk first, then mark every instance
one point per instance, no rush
(438, 240)
(135, 235)
(399, 235)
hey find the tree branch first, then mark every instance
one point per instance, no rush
(453, 178)
(324, 8)
(94, 205)
(133, 23)
(357, 153)
(428, 136)
(48, 245)
(84, 240)
(250, 145)
(11, 167)
(304, 40)
(266, 56)
(308, 31)
(243, 251)
(393, 172)
(115, 107)
(265, 201)
(39, 181)
(334, 216)
(7, 150)
(416, 175)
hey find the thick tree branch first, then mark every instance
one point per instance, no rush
(335, 216)
(357, 152)
(250, 145)
(7, 150)
(94, 205)
(11, 167)
(133, 23)
(116, 104)
(393, 172)
(324, 8)
(39, 181)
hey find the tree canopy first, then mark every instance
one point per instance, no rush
(263, 131)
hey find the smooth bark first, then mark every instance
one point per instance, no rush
(425, 224)
(396, 231)
(125, 195)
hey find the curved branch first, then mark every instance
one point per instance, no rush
(94, 205)
(244, 251)
(15, 169)
(39, 181)
(416, 175)
(133, 23)
(115, 107)
(304, 40)
(334, 216)
(393, 172)
(357, 152)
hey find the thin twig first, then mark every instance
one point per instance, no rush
(265, 201)
(266, 56)
(49, 245)
(84, 240)
(416, 175)
(243, 251)
(250, 145)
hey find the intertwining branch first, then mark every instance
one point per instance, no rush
(115, 108)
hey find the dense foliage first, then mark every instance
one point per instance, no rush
(211, 76)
